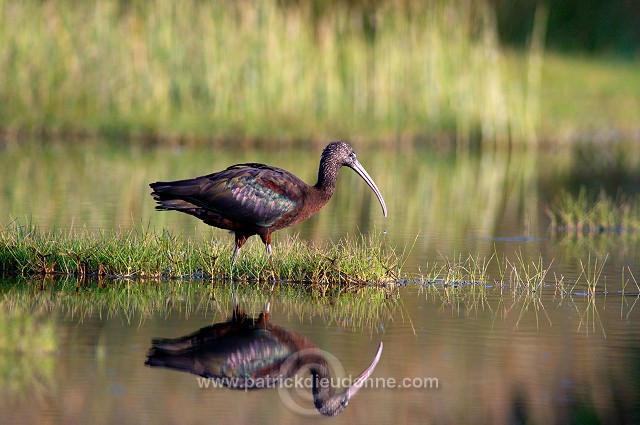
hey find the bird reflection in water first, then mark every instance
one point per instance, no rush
(247, 353)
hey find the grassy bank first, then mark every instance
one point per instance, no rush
(263, 70)
(142, 253)
(461, 285)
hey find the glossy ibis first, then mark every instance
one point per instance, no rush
(245, 353)
(257, 199)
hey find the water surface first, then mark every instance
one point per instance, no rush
(456, 355)
(499, 355)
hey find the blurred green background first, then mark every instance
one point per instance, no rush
(396, 72)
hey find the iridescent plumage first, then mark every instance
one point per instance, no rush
(257, 199)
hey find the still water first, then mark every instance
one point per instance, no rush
(461, 354)
(447, 358)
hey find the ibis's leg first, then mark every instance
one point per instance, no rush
(263, 319)
(240, 240)
(266, 239)
(236, 250)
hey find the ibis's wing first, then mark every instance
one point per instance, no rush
(253, 193)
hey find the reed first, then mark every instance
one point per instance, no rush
(591, 273)
(244, 70)
(583, 214)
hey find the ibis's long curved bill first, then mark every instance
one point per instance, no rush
(360, 381)
(358, 168)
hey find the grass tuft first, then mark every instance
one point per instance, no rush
(581, 214)
(142, 253)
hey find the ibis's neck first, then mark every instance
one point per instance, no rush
(327, 176)
(325, 399)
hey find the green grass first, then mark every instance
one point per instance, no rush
(589, 99)
(137, 274)
(27, 302)
(142, 253)
(584, 214)
(522, 289)
(280, 71)
(215, 69)
(462, 285)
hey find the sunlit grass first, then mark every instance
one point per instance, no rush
(581, 214)
(142, 253)
(518, 274)
(526, 291)
(393, 71)
(171, 70)
(591, 272)
(461, 285)
(141, 273)
(593, 99)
